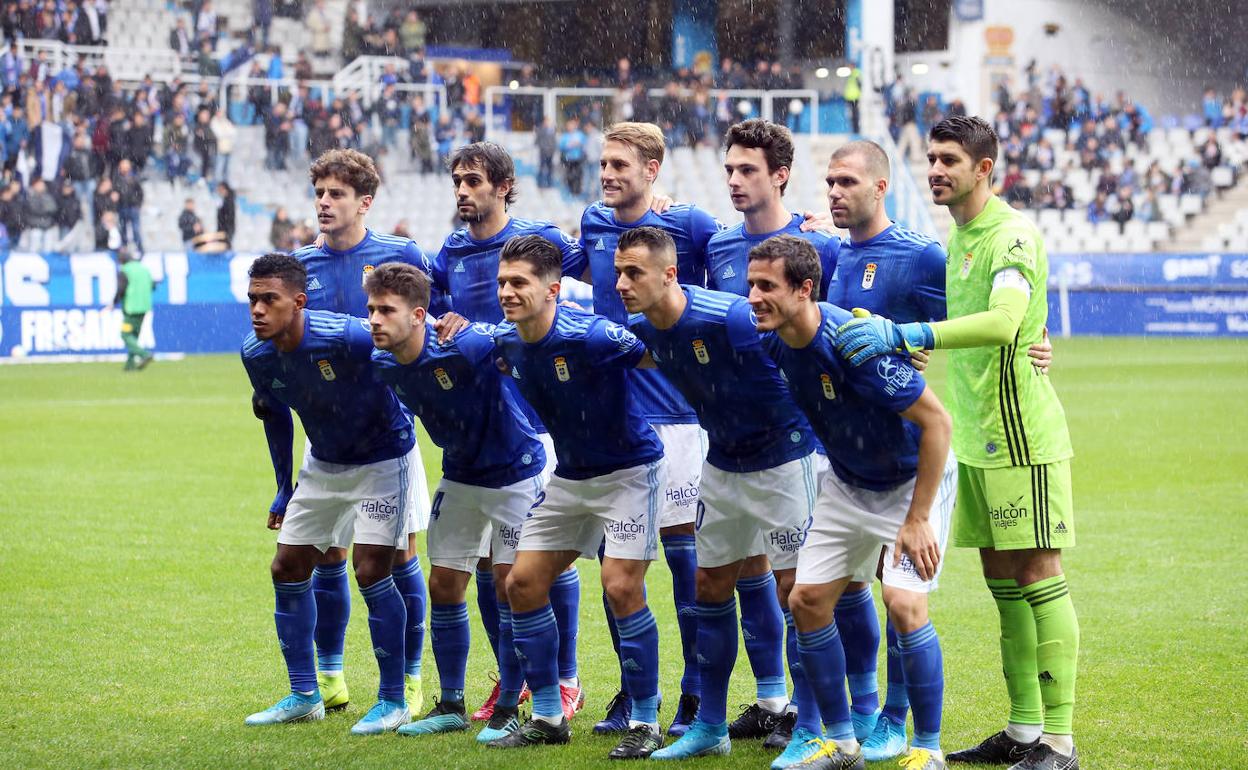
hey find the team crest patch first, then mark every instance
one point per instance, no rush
(828, 391)
(327, 371)
(700, 352)
(966, 264)
(368, 269)
(443, 378)
(868, 275)
(561, 369)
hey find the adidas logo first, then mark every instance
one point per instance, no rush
(601, 245)
(729, 273)
(314, 284)
(746, 635)
(459, 266)
(281, 645)
(277, 384)
(380, 653)
(1061, 527)
(687, 612)
(629, 664)
(703, 660)
(1046, 678)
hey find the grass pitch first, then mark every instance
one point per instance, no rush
(137, 610)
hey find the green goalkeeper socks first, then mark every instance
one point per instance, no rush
(1057, 650)
(1018, 652)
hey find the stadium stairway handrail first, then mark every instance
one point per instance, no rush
(909, 204)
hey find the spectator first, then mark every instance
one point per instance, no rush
(11, 211)
(572, 155)
(104, 200)
(353, 34)
(129, 204)
(420, 140)
(1212, 108)
(932, 114)
(39, 213)
(851, 95)
(1124, 210)
(319, 26)
(547, 144)
(1196, 179)
(206, 24)
(297, 110)
(444, 136)
(108, 232)
(402, 229)
(79, 168)
(1211, 153)
(189, 225)
(262, 17)
(226, 212)
(1148, 210)
(909, 143)
(276, 138)
(412, 34)
(180, 39)
(68, 216)
(1098, 210)
(204, 142)
(224, 132)
(281, 231)
(177, 138)
(594, 140)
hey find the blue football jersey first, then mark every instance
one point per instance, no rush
(467, 269)
(714, 357)
(854, 410)
(577, 378)
(898, 274)
(336, 278)
(459, 395)
(728, 255)
(348, 415)
(691, 228)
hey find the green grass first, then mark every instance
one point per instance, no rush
(137, 612)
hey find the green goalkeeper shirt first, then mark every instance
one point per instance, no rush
(1005, 412)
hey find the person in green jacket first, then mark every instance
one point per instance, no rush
(134, 295)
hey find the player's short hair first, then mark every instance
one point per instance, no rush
(350, 166)
(400, 279)
(801, 260)
(773, 139)
(283, 267)
(646, 138)
(493, 159)
(540, 254)
(872, 154)
(974, 134)
(657, 242)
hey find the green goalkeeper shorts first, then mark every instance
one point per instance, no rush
(1027, 506)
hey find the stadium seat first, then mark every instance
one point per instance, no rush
(1049, 217)
(1222, 177)
(1158, 231)
(1191, 204)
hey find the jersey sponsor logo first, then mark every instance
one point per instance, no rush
(277, 384)
(683, 496)
(625, 530)
(700, 352)
(1008, 515)
(728, 273)
(966, 264)
(327, 371)
(459, 267)
(868, 275)
(601, 245)
(368, 269)
(991, 447)
(1016, 248)
(894, 375)
(788, 540)
(907, 566)
(381, 509)
(828, 391)
(561, 369)
(443, 378)
(314, 284)
(621, 336)
(509, 535)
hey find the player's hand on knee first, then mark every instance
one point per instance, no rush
(919, 359)
(916, 540)
(1041, 353)
(450, 324)
(275, 520)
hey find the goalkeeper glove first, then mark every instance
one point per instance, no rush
(867, 336)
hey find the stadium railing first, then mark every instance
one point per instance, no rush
(127, 64)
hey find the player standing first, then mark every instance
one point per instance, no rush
(758, 160)
(344, 183)
(632, 155)
(492, 474)
(573, 368)
(1010, 436)
(355, 481)
(759, 479)
(892, 484)
(466, 268)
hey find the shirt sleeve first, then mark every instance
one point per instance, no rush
(701, 227)
(279, 433)
(1018, 247)
(742, 326)
(439, 298)
(574, 259)
(437, 273)
(610, 344)
(887, 381)
(828, 257)
(476, 343)
(359, 339)
(928, 283)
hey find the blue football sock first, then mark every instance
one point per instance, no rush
(332, 590)
(387, 624)
(536, 637)
(896, 702)
(510, 677)
(762, 625)
(411, 584)
(639, 658)
(717, 654)
(803, 697)
(295, 616)
(682, 559)
(824, 662)
(860, 636)
(565, 600)
(614, 630)
(487, 604)
(451, 642)
(925, 683)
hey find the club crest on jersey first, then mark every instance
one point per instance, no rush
(966, 264)
(561, 369)
(700, 352)
(443, 378)
(327, 371)
(828, 391)
(368, 269)
(868, 275)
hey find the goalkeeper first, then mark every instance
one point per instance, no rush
(1010, 437)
